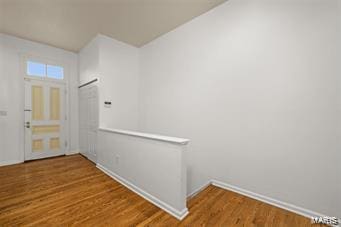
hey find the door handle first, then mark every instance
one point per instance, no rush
(27, 124)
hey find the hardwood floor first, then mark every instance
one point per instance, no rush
(70, 190)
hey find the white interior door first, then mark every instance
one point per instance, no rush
(88, 121)
(44, 119)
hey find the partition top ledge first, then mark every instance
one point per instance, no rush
(168, 139)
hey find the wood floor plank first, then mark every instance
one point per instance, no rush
(71, 191)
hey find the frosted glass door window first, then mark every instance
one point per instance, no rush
(38, 69)
(55, 72)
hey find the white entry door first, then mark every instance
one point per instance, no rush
(44, 119)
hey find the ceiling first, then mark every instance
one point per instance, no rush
(70, 24)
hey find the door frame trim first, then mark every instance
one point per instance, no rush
(23, 57)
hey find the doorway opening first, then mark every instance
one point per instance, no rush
(44, 111)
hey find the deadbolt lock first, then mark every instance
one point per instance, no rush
(27, 124)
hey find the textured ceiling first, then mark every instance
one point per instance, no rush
(70, 24)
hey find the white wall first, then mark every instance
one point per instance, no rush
(254, 85)
(11, 94)
(337, 201)
(119, 84)
(89, 61)
(116, 65)
(149, 167)
(155, 169)
(3, 91)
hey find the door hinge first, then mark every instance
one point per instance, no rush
(65, 117)
(65, 143)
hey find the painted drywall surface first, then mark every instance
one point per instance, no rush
(12, 95)
(253, 85)
(153, 166)
(3, 92)
(89, 62)
(116, 65)
(337, 200)
(134, 159)
(10, 149)
(119, 84)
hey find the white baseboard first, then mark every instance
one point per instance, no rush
(10, 162)
(196, 191)
(287, 206)
(169, 209)
(72, 152)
